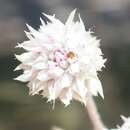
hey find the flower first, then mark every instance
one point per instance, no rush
(61, 61)
(126, 124)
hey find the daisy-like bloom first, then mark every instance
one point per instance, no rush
(61, 61)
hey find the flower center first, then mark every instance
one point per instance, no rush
(71, 55)
(62, 58)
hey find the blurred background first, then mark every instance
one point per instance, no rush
(109, 19)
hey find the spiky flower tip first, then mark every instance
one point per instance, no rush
(125, 125)
(61, 61)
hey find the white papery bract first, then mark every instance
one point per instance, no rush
(61, 60)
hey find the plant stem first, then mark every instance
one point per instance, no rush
(93, 114)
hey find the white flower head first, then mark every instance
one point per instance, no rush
(61, 60)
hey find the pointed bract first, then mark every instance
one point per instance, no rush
(71, 17)
(81, 23)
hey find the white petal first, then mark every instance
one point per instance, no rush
(22, 66)
(59, 85)
(32, 30)
(80, 88)
(43, 76)
(29, 35)
(51, 93)
(70, 18)
(42, 58)
(19, 67)
(56, 72)
(123, 118)
(81, 23)
(35, 86)
(42, 22)
(66, 80)
(66, 96)
(53, 19)
(50, 17)
(40, 65)
(99, 88)
(25, 57)
(74, 68)
(30, 46)
(95, 86)
(24, 77)
(79, 98)
(57, 88)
